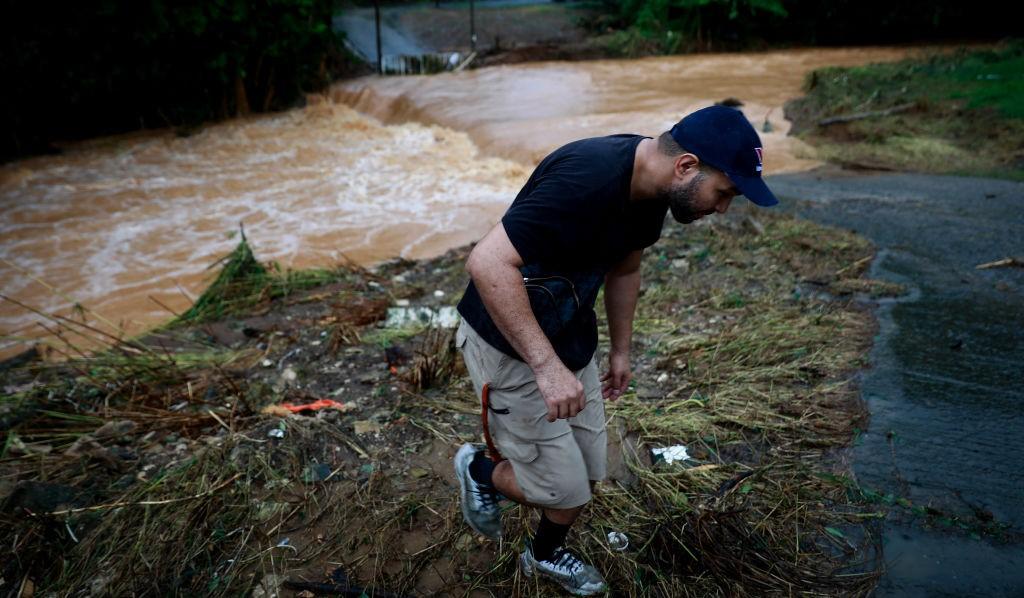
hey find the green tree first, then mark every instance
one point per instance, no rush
(694, 19)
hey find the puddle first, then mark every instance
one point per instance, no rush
(947, 428)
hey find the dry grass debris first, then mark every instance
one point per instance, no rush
(744, 352)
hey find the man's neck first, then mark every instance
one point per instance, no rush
(642, 185)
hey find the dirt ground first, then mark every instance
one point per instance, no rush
(168, 465)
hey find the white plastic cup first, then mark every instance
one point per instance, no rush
(618, 541)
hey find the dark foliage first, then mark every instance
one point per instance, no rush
(77, 69)
(732, 24)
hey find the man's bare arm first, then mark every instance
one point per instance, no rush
(622, 287)
(494, 266)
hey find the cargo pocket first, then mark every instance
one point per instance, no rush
(520, 451)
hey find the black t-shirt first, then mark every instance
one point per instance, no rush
(571, 223)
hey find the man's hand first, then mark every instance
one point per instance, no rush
(622, 286)
(561, 391)
(615, 382)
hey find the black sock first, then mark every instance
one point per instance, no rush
(549, 537)
(481, 468)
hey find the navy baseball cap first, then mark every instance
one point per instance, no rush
(723, 138)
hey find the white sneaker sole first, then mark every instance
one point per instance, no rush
(529, 570)
(462, 472)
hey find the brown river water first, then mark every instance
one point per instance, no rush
(375, 168)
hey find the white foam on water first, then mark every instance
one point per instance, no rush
(115, 221)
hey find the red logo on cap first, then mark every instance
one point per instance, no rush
(760, 158)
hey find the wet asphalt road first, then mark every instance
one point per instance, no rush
(946, 385)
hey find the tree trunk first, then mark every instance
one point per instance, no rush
(241, 98)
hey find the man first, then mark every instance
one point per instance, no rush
(529, 332)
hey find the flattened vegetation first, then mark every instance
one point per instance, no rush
(747, 341)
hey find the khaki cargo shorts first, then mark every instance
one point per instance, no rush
(554, 462)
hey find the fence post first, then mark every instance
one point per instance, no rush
(472, 26)
(376, 16)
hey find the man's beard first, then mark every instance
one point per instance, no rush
(680, 199)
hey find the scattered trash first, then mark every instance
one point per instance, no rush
(276, 433)
(401, 317)
(316, 472)
(267, 363)
(439, 293)
(265, 511)
(270, 587)
(366, 427)
(402, 303)
(276, 484)
(465, 542)
(663, 378)
(670, 454)
(618, 541)
(286, 543)
(681, 264)
(285, 409)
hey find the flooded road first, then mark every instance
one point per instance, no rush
(115, 221)
(524, 111)
(944, 387)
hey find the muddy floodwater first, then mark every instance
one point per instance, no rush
(123, 225)
(127, 225)
(383, 167)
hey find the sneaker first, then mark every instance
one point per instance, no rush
(479, 504)
(566, 569)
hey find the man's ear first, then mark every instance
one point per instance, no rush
(685, 164)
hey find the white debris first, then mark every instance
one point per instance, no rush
(671, 454)
(401, 317)
(439, 293)
(618, 541)
(663, 378)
